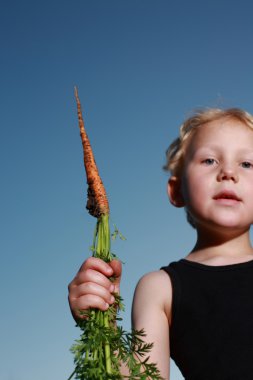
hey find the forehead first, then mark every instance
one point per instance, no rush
(226, 133)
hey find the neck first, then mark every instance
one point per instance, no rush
(226, 245)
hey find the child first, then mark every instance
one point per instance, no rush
(198, 310)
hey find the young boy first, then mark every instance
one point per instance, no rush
(198, 310)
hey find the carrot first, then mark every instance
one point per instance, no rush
(103, 345)
(98, 206)
(97, 203)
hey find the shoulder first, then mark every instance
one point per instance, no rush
(151, 312)
(154, 280)
(154, 290)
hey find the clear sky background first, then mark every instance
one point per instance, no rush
(141, 67)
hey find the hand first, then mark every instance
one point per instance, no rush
(91, 287)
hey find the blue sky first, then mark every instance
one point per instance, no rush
(141, 67)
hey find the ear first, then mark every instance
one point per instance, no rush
(174, 192)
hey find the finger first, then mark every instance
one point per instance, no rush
(116, 265)
(91, 263)
(91, 275)
(96, 264)
(85, 303)
(93, 289)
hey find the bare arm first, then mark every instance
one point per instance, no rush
(152, 312)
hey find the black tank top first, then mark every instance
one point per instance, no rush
(211, 335)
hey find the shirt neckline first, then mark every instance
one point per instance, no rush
(195, 264)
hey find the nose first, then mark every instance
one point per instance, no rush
(228, 174)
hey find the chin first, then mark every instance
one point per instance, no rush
(225, 225)
(231, 228)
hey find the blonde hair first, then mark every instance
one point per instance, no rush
(176, 151)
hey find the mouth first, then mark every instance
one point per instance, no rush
(227, 195)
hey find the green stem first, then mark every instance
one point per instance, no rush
(101, 246)
(72, 374)
(108, 362)
(87, 355)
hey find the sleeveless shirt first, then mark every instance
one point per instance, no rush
(211, 334)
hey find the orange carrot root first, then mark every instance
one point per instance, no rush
(97, 202)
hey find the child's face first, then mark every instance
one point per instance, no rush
(217, 179)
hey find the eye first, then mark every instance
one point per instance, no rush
(246, 165)
(209, 161)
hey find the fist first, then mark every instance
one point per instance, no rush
(92, 288)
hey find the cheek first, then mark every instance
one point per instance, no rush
(194, 191)
(248, 197)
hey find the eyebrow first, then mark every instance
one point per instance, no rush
(215, 148)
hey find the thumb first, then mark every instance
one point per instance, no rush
(116, 266)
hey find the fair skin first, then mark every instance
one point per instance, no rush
(218, 166)
(216, 187)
